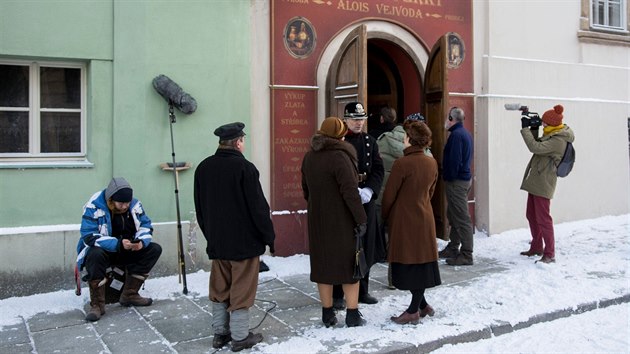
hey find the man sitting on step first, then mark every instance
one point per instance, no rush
(115, 230)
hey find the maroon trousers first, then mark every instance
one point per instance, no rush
(541, 225)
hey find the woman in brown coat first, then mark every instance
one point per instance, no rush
(330, 185)
(407, 208)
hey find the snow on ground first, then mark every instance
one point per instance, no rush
(592, 263)
(599, 331)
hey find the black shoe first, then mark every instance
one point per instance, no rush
(367, 299)
(263, 267)
(448, 253)
(220, 340)
(354, 318)
(249, 341)
(339, 304)
(328, 316)
(460, 260)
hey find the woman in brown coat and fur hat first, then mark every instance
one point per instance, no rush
(330, 185)
(407, 208)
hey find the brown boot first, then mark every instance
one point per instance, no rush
(407, 317)
(427, 311)
(530, 253)
(97, 300)
(130, 296)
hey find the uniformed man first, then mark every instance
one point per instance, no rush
(371, 173)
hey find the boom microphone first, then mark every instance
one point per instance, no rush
(513, 107)
(174, 94)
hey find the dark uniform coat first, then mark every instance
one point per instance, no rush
(407, 208)
(232, 211)
(329, 182)
(370, 164)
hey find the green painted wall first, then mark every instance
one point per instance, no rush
(201, 45)
(80, 29)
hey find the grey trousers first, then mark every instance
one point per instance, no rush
(459, 217)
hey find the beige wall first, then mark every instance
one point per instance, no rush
(529, 53)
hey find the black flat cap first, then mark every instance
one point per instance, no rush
(230, 131)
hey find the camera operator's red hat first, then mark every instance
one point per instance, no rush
(553, 116)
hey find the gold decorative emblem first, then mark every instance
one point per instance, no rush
(299, 37)
(455, 51)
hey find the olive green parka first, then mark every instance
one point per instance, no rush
(540, 175)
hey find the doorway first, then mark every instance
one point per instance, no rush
(392, 81)
(380, 69)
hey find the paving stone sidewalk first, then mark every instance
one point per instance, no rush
(283, 308)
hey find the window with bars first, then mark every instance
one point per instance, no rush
(42, 110)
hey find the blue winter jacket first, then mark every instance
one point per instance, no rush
(458, 153)
(96, 226)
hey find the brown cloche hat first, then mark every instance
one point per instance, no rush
(333, 127)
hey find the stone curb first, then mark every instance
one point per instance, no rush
(502, 327)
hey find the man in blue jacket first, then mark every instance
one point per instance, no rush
(235, 219)
(458, 153)
(115, 230)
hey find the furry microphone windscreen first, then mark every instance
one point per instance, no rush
(171, 92)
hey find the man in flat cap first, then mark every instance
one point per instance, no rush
(235, 219)
(115, 231)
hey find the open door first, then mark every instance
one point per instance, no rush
(347, 80)
(436, 95)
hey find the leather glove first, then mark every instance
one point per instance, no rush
(360, 229)
(366, 194)
(525, 122)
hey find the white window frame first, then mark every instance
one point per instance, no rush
(622, 28)
(34, 155)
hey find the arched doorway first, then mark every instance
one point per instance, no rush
(380, 68)
(395, 61)
(393, 80)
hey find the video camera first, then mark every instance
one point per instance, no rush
(534, 119)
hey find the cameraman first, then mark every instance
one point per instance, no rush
(540, 177)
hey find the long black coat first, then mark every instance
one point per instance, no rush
(370, 163)
(329, 182)
(231, 208)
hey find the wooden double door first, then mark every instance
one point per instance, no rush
(365, 70)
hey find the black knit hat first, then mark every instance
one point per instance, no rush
(119, 190)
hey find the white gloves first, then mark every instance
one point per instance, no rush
(366, 194)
